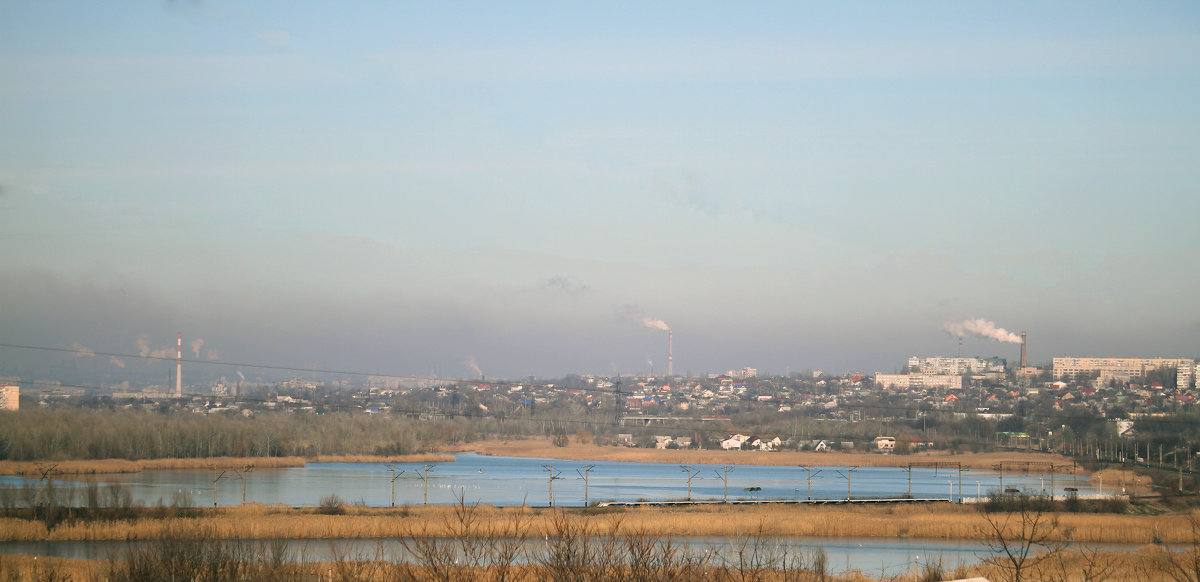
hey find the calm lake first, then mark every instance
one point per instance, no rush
(890, 557)
(505, 481)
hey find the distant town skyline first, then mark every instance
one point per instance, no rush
(407, 188)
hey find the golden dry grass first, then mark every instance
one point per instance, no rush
(20, 567)
(415, 458)
(255, 521)
(98, 466)
(544, 449)
(1118, 480)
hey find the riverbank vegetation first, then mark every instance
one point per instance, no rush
(472, 542)
(72, 433)
(116, 466)
(107, 512)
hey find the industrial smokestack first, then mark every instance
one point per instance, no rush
(670, 353)
(1024, 363)
(179, 366)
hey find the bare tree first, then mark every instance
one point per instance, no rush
(1023, 537)
(1183, 564)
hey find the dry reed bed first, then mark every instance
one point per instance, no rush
(942, 522)
(98, 466)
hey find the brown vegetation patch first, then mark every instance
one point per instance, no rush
(257, 521)
(99, 466)
(414, 458)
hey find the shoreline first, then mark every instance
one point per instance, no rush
(1113, 479)
(544, 448)
(117, 466)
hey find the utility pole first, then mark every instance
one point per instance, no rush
(725, 479)
(617, 402)
(45, 475)
(583, 474)
(424, 476)
(216, 479)
(241, 474)
(690, 474)
(396, 474)
(550, 470)
(808, 472)
(846, 475)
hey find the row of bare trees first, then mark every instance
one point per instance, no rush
(79, 433)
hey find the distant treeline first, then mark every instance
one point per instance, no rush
(77, 433)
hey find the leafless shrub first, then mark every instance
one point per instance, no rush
(1180, 564)
(1023, 537)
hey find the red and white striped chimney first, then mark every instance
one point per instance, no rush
(179, 366)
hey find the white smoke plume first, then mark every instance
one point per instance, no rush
(118, 362)
(81, 351)
(146, 352)
(210, 354)
(196, 345)
(241, 376)
(982, 328)
(474, 366)
(634, 313)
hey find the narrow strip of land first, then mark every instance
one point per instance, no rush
(545, 449)
(931, 521)
(100, 466)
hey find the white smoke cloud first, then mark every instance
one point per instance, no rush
(210, 354)
(118, 362)
(982, 328)
(634, 313)
(196, 345)
(147, 352)
(474, 366)
(80, 351)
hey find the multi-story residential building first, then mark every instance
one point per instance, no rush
(1122, 369)
(943, 365)
(1186, 377)
(918, 381)
(10, 397)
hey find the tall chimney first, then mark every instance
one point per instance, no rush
(179, 366)
(1024, 363)
(670, 353)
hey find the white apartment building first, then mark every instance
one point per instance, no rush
(1123, 369)
(10, 397)
(943, 365)
(918, 381)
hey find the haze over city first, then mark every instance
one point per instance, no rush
(530, 189)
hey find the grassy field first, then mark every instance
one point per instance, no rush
(87, 467)
(254, 521)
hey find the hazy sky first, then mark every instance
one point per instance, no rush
(401, 187)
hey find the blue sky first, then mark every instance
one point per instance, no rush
(402, 187)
